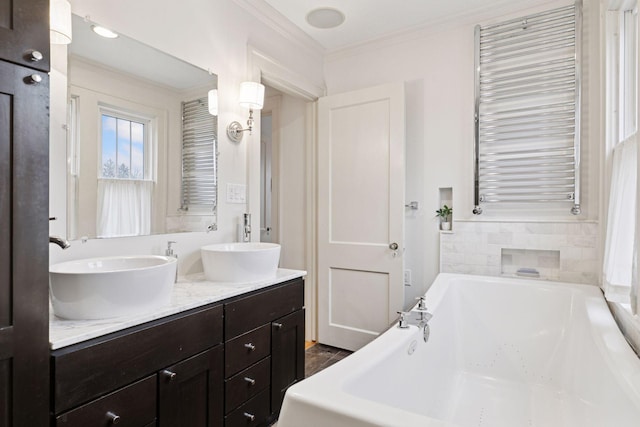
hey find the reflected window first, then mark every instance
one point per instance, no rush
(124, 151)
(125, 185)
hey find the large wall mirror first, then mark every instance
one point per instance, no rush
(142, 141)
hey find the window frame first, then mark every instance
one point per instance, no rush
(149, 143)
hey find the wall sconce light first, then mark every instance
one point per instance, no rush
(251, 97)
(60, 22)
(213, 102)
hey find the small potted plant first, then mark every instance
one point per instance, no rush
(444, 213)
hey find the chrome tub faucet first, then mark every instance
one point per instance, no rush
(422, 322)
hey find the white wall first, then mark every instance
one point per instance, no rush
(437, 68)
(212, 35)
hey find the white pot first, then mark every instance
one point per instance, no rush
(445, 226)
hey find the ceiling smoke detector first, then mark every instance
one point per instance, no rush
(325, 17)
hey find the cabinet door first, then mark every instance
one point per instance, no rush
(24, 28)
(24, 252)
(191, 392)
(287, 355)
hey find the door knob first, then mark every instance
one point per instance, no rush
(393, 246)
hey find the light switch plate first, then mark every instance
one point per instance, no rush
(236, 193)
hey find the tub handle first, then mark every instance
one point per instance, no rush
(402, 323)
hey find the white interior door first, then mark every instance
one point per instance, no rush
(360, 214)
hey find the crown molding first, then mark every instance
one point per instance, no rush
(266, 14)
(429, 28)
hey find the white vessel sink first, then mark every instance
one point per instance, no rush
(240, 262)
(101, 288)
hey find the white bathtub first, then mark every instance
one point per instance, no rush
(502, 353)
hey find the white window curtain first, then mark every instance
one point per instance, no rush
(124, 207)
(620, 279)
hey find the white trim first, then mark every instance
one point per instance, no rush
(468, 17)
(262, 67)
(273, 19)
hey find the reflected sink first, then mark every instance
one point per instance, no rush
(240, 262)
(102, 288)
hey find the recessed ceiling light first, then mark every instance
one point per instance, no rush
(104, 32)
(325, 17)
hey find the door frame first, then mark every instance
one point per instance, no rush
(263, 68)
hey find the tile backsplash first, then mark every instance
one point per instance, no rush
(477, 247)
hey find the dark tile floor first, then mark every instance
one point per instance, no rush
(320, 356)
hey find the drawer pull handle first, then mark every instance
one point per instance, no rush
(35, 56)
(250, 346)
(169, 375)
(277, 325)
(33, 79)
(251, 381)
(249, 416)
(113, 418)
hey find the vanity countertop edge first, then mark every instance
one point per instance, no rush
(189, 292)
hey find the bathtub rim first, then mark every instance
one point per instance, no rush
(326, 389)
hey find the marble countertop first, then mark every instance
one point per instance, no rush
(189, 292)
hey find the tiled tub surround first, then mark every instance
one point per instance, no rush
(476, 247)
(189, 292)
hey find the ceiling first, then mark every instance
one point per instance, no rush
(367, 20)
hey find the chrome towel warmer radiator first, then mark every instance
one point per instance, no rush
(527, 109)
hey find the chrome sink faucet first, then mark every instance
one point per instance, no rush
(422, 322)
(63, 243)
(246, 229)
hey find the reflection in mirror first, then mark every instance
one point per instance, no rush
(129, 147)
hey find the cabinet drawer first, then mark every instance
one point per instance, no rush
(249, 312)
(134, 406)
(93, 368)
(247, 349)
(247, 384)
(253, 413)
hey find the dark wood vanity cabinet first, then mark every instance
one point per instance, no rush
(24, 205)
(24, 33)
(262, 329)
(226, 364)
(179, 359)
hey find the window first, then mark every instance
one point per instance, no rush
(622, 148)
(125, 186)
(124, 148)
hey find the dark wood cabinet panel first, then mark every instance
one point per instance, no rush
(24, 252)
(246, 384)
(24, 28)
(191, 392)
(247, 349)
(262, 307)
(287, 355)
(131, 406)
(87, 370)
(251, 414)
